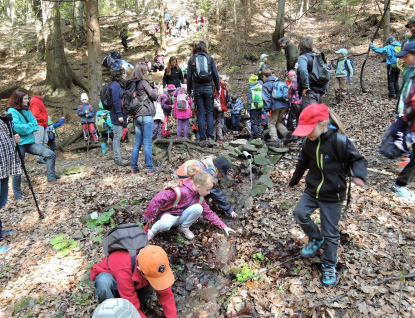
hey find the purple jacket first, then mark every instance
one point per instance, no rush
(166, 198)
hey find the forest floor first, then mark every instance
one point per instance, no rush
(377, 240)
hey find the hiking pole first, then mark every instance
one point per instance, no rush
(9, 126)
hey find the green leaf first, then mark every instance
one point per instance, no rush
(98, 238)
(60, 245)
(91, 224)
(63, 253)
(123, 202)
(103, 218)
(99, 228)
(296, 270)
(111, 211)
(57, 239)
(136, 202)
(72, 245)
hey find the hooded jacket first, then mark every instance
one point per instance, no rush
(175, 77)
(271, 104)
(116, 111)
(143, 87)
(341, 67)
(38, 109)
(191, 84)
(305, 66)
(81, 112)
(389, 50)
(326, 178)
(24, 124)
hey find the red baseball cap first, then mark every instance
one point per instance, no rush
(309, 118)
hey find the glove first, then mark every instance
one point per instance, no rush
(233, 215)
(228, 230)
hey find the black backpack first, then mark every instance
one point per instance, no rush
(202, 68)
(115, 54)
(106, 97)
(131, 101)
(320, 72)
(107, 61)
(130, 237)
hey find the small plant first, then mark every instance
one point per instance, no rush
(99, 223)
(280, 288)
(136, 202)
(40, 300)
(178, 268)
(258, 256)
(245, 273)
(123, 202)
(180, 239)
(4, 271)
(62, 245)
(81, 299)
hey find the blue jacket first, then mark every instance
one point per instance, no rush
(271, 104)
(116, 110)
(82, 108)
(249, 95)
(24, 124)
(305, 66)
(236, 107)
(389, 50)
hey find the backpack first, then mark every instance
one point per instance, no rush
(178, 196)
(130, 237)
(347, 68)
(159, 59)
(107, 61)
(106, 97)
(202, 68)
(341, 149)
(82, 107)
(321, 72)
(182, 103)
(131, 101)
(397, 49)
(101, 123)
(387, 147)
(115, 54)
(257, 101)
(280, 90)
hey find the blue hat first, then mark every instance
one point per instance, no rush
(342, 51)
(409, 48)
(390, 39)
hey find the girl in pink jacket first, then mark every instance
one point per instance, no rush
(182, 111)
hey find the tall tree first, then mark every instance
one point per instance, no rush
(93, 37)
(40, 38)
(58, 73)
(162, 26)
(387, 20)
(279, 25)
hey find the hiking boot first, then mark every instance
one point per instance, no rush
(134, 171)
(403, 192)
(402, 164)
(211, 143)
(153, 170)
(125, 157)
(4, 248)
(311, 248)
(203, 143)
(53, 182)
(329, 277)
(121, 163)
(274, 143)
(186, 232)
(150, 234)
(287, 137)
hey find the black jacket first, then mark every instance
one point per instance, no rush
(218, 197)
(326, 178)
(175, 77)
(291, 54)
(143, 87)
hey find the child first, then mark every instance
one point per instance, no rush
(294, 99)
(263, 63)
(159, 62)
(104, 126)
(158, 120)
(182, 111)
(222, 100)
(148, 63)
(182, 205)
(392, 46)
(326, 183)
(236, 108)
(167, 103)
(51, 132)
(86, 112)
(123, 35)
(341, 66)
(255, 105)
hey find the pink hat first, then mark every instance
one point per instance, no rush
(309, 118)
(171, 87)
(184, 87)
(291, 73)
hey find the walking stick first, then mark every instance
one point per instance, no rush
(9, 126)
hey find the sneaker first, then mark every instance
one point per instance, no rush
(403, 192)
(203, 143)
(134, 171)
(125, 158)
(211, 143)
(121, 163)
(402, 164)
(150, 235)
(186, 231)
(311, 248)
(329, 277)
(4, 248)
(53, 182)
(153, 170)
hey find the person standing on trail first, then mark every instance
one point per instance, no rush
(203, 79)
(411, 27)
(291, 52)
(326, 182)
(341, 67)
(393, 71)
(114, 277)
(173, 74)
(38, 109)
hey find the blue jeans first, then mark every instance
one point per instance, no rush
(204, 103)
(256, 122)
(143, 134)
(37, 150)
(106, 288)
(236, 120)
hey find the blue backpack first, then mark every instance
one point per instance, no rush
(280, 91)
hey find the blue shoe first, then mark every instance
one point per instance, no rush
(403, 192)
(329, 277)
(4, 248)
(311, 248)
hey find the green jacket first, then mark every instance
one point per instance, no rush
(124, 32)
(340, 67)
(24, 124)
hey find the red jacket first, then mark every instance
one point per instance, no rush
(38, 110)
(119, 266)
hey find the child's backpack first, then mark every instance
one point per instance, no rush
(82, 107)
(130, 237)
(159, 59)
(106, 97)
(397, 49)
(131, 101)
(101, 122)
(107, 61)
(257, 101)
(387, 147)
(182, 103)
(202, 68)
(321, 72)
(347, 68)
(280, 91)
(115, 54)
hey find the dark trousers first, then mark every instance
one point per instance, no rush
(329, 217)
(408, 173)
(124, 43)
(203, 96)
(256, 122)
(236, 120)
(393, 81)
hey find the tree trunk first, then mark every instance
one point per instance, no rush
(301, 11)
(12, 6)
(40, 38)
(279, 25)
(93, 36)
(162, 26)
(80, 15)
(386, 22)
(58, 73)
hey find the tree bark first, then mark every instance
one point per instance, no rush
(80, 15)
(40, 38)
(279, 25)
(162, 26)
(386, 21)
(59, 76)
(93, 36)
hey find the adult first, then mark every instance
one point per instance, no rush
(411, 27)
(117, 114)
(9, 165)
(291, 52)
(143, 120)
(310, 91)
(25, 124)
(173, 74)
(167, 22)
(114, 277)
(203, 86)
(38, 109)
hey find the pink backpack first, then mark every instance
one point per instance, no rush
(182, 102)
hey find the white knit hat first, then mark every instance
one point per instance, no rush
(116, 308)
(84, 96)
